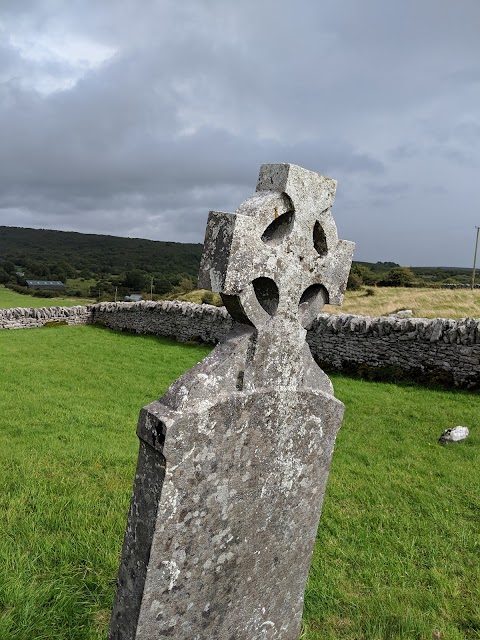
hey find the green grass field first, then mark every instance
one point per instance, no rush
(398, 545)
(10, 299)
(80, 284)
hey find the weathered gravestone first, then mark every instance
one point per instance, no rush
(234, 458)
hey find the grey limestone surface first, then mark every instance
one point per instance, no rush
(234, 458)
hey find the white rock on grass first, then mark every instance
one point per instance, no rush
(457, 434)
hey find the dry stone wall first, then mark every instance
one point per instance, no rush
(440, 350)
(181, 321)
(20, 318)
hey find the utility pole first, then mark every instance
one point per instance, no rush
(475, 259)
(151, 288)
(116, 289)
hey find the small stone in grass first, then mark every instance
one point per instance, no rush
(457, 434)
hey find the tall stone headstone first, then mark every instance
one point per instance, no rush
(234, 458)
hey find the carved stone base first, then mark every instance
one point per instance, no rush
(236, 521)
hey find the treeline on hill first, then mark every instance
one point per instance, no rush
(95, 265)
(390, 274)
(102, 267)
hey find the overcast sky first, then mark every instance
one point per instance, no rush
(136, 118)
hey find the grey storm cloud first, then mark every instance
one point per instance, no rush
(136, 118)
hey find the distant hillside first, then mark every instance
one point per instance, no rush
(444, 274)
(460, 275)
(67, 251)
(98, 265)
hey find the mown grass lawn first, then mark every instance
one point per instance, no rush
(397, 554)
(10, 299)
(398, 548)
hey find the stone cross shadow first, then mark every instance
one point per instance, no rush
(234, 458)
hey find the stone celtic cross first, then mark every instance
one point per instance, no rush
(234, 458)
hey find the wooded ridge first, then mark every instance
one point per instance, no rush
(96, 265)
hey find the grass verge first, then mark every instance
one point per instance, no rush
(397, 549)
(425, 303)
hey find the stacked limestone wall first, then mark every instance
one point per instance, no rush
(440, 350)
(20, 318)
(178, 320)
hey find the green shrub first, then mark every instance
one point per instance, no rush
(398, 277)
(354, 282)
(207, 297)
(367, 276)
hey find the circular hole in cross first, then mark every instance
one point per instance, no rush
(279, 229)
(311, 302)
(267, 294)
